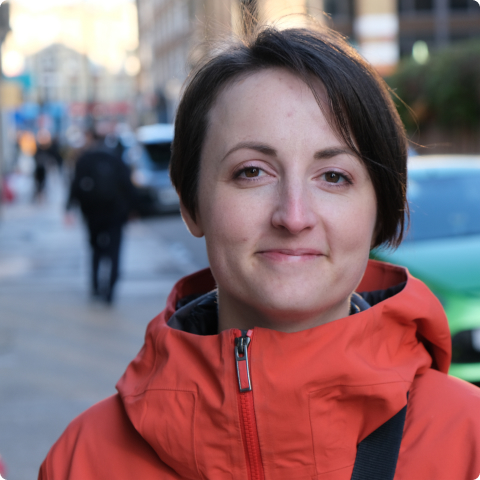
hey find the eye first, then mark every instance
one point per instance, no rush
(335, 177)
(251, 172)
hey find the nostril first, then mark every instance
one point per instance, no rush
(294, 220)
(294, 211)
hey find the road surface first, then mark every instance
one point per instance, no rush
(60, 352)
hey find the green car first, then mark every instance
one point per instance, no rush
(442, 247)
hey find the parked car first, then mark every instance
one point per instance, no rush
(149, 158)
(442, 247)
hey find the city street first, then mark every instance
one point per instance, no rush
(60, 352)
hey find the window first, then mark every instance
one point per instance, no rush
(159, 155)
(412, 6)
(444, 204)
(460, 4)
(338, 7)
(421, 5)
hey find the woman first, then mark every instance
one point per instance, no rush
(289, 157)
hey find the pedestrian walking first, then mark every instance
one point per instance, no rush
(102, 187)
(294, 356)
(41, 159)
(46, 155)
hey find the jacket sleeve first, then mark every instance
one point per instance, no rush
(42, 474)
(442, 430)
(101, 444)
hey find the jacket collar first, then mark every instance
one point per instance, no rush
(198, 314)
(317, 393)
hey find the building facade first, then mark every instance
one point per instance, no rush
(171, 38)
(401, 23)
(61, 74)
(166, 36)
(436, 22)
(172, 32)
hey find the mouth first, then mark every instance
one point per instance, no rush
(291, 255)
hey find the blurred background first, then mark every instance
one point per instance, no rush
(116, 68)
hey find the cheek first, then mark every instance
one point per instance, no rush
(232, 212)
(364, 225)
(230, 222)
(352, 227)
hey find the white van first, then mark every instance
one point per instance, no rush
(149, 159)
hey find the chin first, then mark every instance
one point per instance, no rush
(294, 306)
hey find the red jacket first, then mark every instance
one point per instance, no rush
(315, 395)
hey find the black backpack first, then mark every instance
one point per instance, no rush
(377, 454)
(98, 181)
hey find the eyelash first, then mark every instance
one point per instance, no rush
(242, 170)
(345, 177)
(239, 172)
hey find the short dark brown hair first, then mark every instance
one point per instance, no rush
(359, 103)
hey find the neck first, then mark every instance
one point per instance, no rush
(235, 314)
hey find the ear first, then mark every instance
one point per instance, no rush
(194, 226)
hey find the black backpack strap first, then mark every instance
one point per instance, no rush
(377, 454)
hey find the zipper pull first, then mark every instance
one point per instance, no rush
(241, 360)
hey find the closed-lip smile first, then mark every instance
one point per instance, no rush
(290, 254)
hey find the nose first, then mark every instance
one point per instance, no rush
(294, 210)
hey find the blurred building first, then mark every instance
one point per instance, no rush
(436, 22)
(375, 33)
(172, 35)
(73, 60)
(166, 36)
(402, 23)
(64, 75)
(171, 32)
(105, 31)
(69, 89)
(60, 74)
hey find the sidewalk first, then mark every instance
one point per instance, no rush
(59, 351)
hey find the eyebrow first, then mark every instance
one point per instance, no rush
(331, 152)
(259, 147)
(326, 153)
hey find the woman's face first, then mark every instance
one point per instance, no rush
(288, 213)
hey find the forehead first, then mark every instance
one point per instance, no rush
(271, 105)
(256, 84)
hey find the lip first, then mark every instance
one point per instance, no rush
(291, 255)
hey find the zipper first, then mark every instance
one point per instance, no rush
(248, 423)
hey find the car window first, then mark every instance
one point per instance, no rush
(443, 204)
(159, 154)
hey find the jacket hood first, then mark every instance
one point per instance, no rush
(317, 393)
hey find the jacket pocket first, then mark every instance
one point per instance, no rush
(168, 425)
